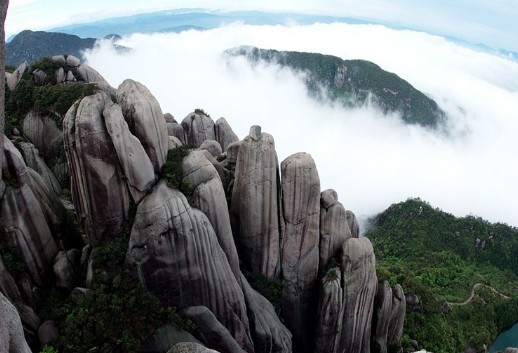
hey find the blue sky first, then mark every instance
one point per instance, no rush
(490, 22)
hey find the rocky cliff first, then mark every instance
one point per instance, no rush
(173, 215)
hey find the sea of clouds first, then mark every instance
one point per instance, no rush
(371, 160)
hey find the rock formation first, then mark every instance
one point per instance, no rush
(12, 339)
(224, 133)
(300, 252)
(198, 127)
(255, 210)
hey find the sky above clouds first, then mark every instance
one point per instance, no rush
(491, 22)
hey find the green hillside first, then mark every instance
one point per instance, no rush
(353, 83)
(441, 258)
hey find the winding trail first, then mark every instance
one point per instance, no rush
(472, 295)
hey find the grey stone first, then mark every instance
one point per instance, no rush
(39, 77)
(169, 118)
(300, 248)
(198, 128)
(190, 347)
(70, 76)
(72, 61)
(44, 134)
(165, 337)
(354, 226)
(329, 320)
(255, 206)
(224, 134)
(59, 75)
(47, 332)
(66, 268)
(59, 59)
(33, 160)
(145, 120)
(212, 146)
(12, 338)
(15, 77)
(381, 318)
(211, 332)
(176, 130)
(255, 132)
(176, 254)
(397, 317)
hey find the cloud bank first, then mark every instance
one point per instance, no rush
(371, 160)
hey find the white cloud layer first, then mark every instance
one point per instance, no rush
(371, 160)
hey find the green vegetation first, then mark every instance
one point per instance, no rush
(270, 288)
(48, 98)
(355, 83)
(12, 260)
(440, 258)
(172, 171)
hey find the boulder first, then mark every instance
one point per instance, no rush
(72, 61)
(59, 59)
(47, 332)
(255, 207)
(209, 196)
(166, 337)
(176, 130)
(210, 331)
(43, 134)
(66, 268)
(174, 142)
(59, 75)
(190, 347)
(329, 320)
(198, 127)
(334, 229)
(212, 146)
(99, 190)
(359, 284)
(12, 338)
(89, 75)
(511, 350)
(300, 252)
(177, 255)
(70, 76)
(381, 318)
(397, 316)
(224, 134)
(39, 77)
(169, 118)
(34, 161)
(268, 333)
(15, 77)
(354, 226)
(145, 120)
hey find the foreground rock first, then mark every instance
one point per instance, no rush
(300, 252)
(255, 210)
(12, 339)
(190, 347)
(178, 257)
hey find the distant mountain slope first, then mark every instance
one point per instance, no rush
(443, 259)
(353, 83)
(30, 46)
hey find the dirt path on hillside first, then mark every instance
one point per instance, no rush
(472, 295)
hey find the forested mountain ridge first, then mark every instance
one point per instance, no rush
(353, 83)
(441, 260)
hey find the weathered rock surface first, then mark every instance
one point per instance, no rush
(33, 160)
(212, 146)
(178, 257)
(511, 350)
(224, 134)
(66, 268)
(209, 196)
(60, 75)
(381, 318)
(47, 332)
(354, 226)
(329, 320)
(211, 332)
(100, 193)
(397, 316)
(268, 333)
(190, 347)
(176, 130)
(12, 339)
(90, 75)
(334, 229)
(359, 283)
(198, 127)
(255, 206)
(15, 77)
(166, 337)
(145, 120)
(300, 252)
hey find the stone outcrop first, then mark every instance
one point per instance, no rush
(354, 226)
(209, 196)
(43, 134)
(198, 127)
(329, 321)
(397, 316)
(359, 284)
(300, 245)
(145, 120)
(212, 146)
(99, 190)
(334, 228)
(381, 318)
(178, 257)
(33, 160)
(190, 347)
(224, 134)
(268, 333)
(255, 207)
(15, 77)
(12, 339)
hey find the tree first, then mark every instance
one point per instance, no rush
(3, 13)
